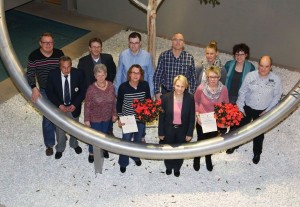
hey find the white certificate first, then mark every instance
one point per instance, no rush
(209, 123)
(129, 124)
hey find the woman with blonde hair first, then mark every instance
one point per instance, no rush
(211, 59)
(176, 123)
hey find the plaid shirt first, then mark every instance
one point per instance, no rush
(169, 67)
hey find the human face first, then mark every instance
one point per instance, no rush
(179, 87)
(135, 45)
(264, 66)
(65, 67)
(240, 56)
(95, 49)
(135, 75)
(46, 44)
(178, 42)
(211, 54)
(100, 76)
(213, 79)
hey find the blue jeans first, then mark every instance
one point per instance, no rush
(102, 126)
(137, 137)
(48, 127)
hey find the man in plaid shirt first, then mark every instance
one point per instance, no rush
(171, 63)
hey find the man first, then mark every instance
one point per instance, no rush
(134, 55)
(260, 92)
(65, 89)
(171, 63)
(86, 64)
(40, 62)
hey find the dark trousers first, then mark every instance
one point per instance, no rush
(252, 114)
(174, 136)
(204, 136)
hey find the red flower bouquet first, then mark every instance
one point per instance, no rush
(147, 110)
(227, 115)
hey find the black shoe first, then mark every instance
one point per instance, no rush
(230, 151)
(256, 159)
(123, 169)
(49, 151)
(138, 162)
(168, 172)
(196, 163)
(209, 165)
(105, 154)
(78, 150)
(91, 158)
(177, 173)
(58, 155)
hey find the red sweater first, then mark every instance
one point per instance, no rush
(100, 105)
(203, 104)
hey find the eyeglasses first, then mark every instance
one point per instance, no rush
(136, 73)
(177, 40)
(239, 54)
(47, 43)
(213, 77)
(134, 43)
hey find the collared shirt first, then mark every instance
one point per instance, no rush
(126, 60)
(259, 93)
(169, 67)
(63, 79)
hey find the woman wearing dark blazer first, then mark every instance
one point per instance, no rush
(176, 123)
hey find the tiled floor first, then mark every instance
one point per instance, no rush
(98, 28)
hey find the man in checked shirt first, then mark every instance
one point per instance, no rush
(171, 63)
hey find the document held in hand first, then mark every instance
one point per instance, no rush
(209, 123)
(130, 125)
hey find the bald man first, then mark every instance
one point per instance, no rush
(259, 93)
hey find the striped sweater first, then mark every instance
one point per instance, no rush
(39, 66)
(126, 95)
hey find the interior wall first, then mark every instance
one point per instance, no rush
(9, 4)
(268, 27)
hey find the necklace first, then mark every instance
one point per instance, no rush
(101, 87)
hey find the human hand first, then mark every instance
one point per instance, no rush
(63, 108)
(157, 96)
(188, 138)
(161, 137)
(71, 108)
(35, 94)
(114, 118)
(120, 124)
(87, 123)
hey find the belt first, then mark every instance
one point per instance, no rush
(177, 125)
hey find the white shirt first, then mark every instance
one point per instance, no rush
(63, 84)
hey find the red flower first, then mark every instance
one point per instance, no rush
(147, 110)
(227, 114)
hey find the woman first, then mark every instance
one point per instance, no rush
(134, 88)
(100, 105)
(176, 123)
(237, 70)
(206, 96)
(211, 59)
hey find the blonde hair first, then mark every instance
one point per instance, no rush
(213, 45)
(182, 79)
(213, 69)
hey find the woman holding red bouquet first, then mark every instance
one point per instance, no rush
(134, 88)
(177, 121)
(206, 96)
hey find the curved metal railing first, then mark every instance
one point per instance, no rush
(150, 151)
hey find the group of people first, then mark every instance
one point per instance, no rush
(186, 92)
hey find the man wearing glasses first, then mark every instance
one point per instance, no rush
(171, 63)
(40, 62)
(134, 55)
